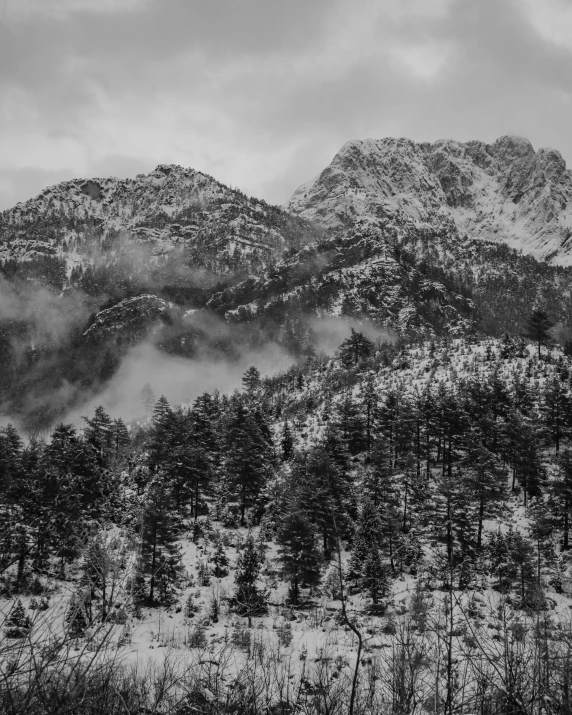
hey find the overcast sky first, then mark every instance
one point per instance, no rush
(262, 93)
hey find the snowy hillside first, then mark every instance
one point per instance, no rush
(504, 192)
(378, 528)
(169, 210)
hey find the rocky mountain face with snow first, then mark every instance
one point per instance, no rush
(131, 314)
(106, 263)
(504, 192)
(416, 238)
(364, 271)
(171, 212)
(423, 237)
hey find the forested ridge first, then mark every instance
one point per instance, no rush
(410, 500)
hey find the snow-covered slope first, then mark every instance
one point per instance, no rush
(363, 273)
(171, 208)
(504, 192)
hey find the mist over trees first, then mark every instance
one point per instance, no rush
(203, 304)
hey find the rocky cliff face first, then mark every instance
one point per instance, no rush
(504, 192)
(374, 269)
(131, 316)
(170, 211)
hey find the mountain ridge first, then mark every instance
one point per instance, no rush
(379, 236)
(502, 192)
(169, 209)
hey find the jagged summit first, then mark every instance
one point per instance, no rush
(504, 192)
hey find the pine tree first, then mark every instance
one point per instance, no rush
(160, 557)
(373, 576)
(528, 463)
(297, 551)
(508, 347)
(72, 480)
(391, 425)
(511, 557)
(99, 434)
(540, 530)
(101, 566)
(18, 623)
(499, 558)
(521, 555)
(248, 600)
(355, 349)
(186, 446)
(76, 617)
(521, 448)
(556, 406)
(159, 442)
(537, 328)
(11, 448)
(161, 410)
(169, 574)
(220, 560)
(368, 533)
(349, 420)
(326, 488)
(247, 460)
(251, 379)
(120, 436)
(368, 404)
(286, 442)
(454, 525)
(485, 479)
(561, 495)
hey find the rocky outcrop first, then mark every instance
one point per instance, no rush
(131, 318)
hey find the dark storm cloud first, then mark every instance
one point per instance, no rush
(261, 94)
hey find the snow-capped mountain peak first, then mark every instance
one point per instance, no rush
(504, 192)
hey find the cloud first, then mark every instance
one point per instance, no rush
(329, 332)
(180, 380)
(422, 61)
(49, 316)
(61, 9)
(552, 19)
(261, 94)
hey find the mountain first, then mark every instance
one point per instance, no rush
(424, 237)
(503, 192)
(417, 239)
(90, 267)
(364, 272)
(157, 224)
